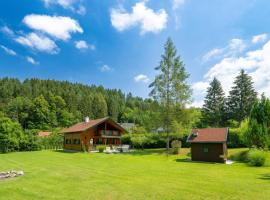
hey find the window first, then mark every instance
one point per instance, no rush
(205, 150)
(76, 141)
(68, 141)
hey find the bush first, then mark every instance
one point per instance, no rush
(256, 158)
(101, 148)
(240, 156)
(176, 146)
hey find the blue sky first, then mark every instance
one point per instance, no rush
(117, 43)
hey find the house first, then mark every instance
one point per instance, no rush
(90, 133)
(128, 126)
(209, 144)
(44, 134)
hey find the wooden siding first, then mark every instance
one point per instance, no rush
(210, 152)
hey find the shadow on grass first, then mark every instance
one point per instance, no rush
(265, 177)
(66, 151)
(190, 161)
(146, 152)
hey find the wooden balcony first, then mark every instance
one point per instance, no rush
(110, 134)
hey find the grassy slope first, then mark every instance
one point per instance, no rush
(56, 175)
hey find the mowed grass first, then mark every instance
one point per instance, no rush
(143, 175)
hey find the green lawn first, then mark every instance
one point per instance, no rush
(140, 175)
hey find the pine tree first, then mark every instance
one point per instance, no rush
(169, 87)
(241, 97)
(213, 108)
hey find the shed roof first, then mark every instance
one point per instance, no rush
(82, 126)
(208, 135)
(44, 133)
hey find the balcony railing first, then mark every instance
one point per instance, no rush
(110, 133)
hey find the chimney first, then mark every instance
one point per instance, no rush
(86, 119)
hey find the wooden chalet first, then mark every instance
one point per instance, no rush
(90, 133)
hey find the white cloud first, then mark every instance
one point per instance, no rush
(177, 4)
(56, 26)
(233, 48)
(259, 38)
(38, 42)
(6, 30)
(147, 19)
(256, 63)
(211, 54)
(237, 45)
(31, 60)
(141, 78)
(81, 10)
(200, 87)
(82, 45)
(105, 68)
(8, 50)
(67, 4)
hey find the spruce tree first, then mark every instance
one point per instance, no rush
(213, 108)
(241, 97)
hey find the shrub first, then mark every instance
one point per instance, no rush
(240, 156)
(101, 148)
(176, 146)
(256, 158)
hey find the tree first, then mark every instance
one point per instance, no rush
(169, 87)
(213, 108)
(241, 97)
(258, 133)
(11, 134)
(99, 106)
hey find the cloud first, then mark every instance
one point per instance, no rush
(255, 62)
(237, 45)
(8, 51)
(67, 4)
(38, 42)
(178, 3)
(141, 78)
(56, 26)
(105, 68)
(259, 38)
(6, 30)
(212, 54)
(82, 45)
(31, 60)
(147, 19)
(233, 48)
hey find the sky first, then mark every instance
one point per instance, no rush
(118, 43)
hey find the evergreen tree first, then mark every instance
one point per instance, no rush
(213, 108)
(169, 87)
(241, 97)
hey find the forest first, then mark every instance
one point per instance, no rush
(33, 105)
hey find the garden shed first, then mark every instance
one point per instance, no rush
(209, 144)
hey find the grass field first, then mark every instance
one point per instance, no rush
(140, 175)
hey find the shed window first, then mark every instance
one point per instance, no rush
(205, 150)
(68, 141)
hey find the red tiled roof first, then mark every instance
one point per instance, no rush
(82, 126)
(44, 133)
(218, 135)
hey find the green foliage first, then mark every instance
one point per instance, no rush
(11, 135)
(241, 156)
(259, 123)
(101, 148)
(169, 87)
(139, 140)
(241, 97)
(213, 112)
(256, 158)
(53, 141)
(176, 146)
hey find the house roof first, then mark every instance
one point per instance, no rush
(44, 133)
(82, 126)
(208, 135)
